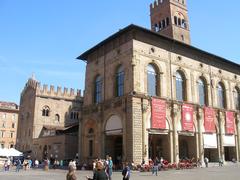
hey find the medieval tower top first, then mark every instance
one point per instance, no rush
(170, 18)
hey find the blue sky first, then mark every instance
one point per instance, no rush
(45, 36)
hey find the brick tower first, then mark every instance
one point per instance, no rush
(170, 18)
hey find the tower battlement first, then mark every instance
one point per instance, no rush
(52, 91)
(157, 3)
(58, 91)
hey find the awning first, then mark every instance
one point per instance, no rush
(229, 140)
(210, 141)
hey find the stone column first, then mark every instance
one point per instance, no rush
(221, 120)
(238, 138)
(200, 137)
(175, 133)
(80, 157)
(145, 109)
(171, 146)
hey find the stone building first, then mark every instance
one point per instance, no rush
(150, 93)
(8, 124)
(48, 121)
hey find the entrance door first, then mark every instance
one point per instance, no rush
(183, 150)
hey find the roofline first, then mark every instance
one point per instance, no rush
(84, 55)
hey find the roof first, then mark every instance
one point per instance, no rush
(215, 60)
(59, 128)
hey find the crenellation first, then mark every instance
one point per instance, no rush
(156, 4)
(71, 92)
(59, 91)
(43, 90)
(52, 90)
(65, 91)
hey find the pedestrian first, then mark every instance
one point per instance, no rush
(220, 162)
(126, 171)
(155, 166)
(206, 161)
(36, 163)
(110, 168)
(99, 174)
(18, 165)
(71, 173)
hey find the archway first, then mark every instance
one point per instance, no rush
(113, 139)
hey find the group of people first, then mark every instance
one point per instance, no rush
(102, 170)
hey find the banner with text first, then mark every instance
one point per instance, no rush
(209, 116)
(187, 117)
(230, 128)
(158, 114)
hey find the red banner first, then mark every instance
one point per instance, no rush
(209, 116)
(187, 117)
(230, 127)
(158, 114)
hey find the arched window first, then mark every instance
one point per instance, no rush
(167, 21)
(236, 96)
(45, 111)
(221, 95)
(98, 90)
(202, 92)
(152, 81)
(120, 81)
(91, 131)
(180, 86)
(57, 118)
(74, 115)
(175, 20)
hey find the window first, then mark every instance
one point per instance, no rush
(3, 125)
(45, 111)
(2, 146)
(236, 96)
(179, 22)
(11, 134)
(2, 134)
(90, 141)
(98, 90)
(13, 125)
(180, 86)
(156, 28)
(160, 25)
(163, 23)
(120, 81)
(13, 117)
(74, 115)
(202, 92)
(221, 95)
(167, 21)
(90, 148)
(57, 118)
(151, 80)
(175, 20)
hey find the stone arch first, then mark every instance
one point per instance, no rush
(113, 125)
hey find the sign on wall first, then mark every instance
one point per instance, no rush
(158, 114)
(187, 117)
(230, 127)
(209, 116)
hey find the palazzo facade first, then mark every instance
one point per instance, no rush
(150, 93)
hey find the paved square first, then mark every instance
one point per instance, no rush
(213, 173)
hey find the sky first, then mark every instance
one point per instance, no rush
(44, 37)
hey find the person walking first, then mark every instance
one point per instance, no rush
(18, 165)
(206, 161)
(71, 173)
(126, 171)
(99, 174)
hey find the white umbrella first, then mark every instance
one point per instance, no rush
(4, 152)
(14, 152)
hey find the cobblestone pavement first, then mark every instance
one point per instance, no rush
(213, 173)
